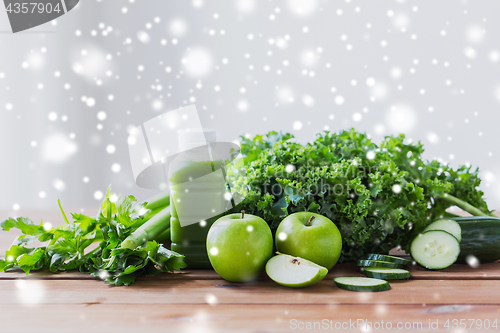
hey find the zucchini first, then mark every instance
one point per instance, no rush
(378, 263)
(361, 284)
(450, 226)
(386, 273)
(435, 249)
(383, 257)
(480, 238)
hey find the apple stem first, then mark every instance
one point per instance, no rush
(242, 214)
(310, 220)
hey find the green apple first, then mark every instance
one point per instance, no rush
(294, 271)
(238, 246)
(310, 236)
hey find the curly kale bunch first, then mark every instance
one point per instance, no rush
(379, 196)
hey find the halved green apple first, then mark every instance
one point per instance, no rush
(294, 272)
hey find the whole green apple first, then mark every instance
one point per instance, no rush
(239, 246)
(310, 236)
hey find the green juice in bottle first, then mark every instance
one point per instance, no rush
(197, 196)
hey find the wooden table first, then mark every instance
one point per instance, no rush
(200, 301)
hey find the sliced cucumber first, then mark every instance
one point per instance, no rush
(378, 263)
(383, 257)
(435, 249)
(450, 226)
(386, 273)
(361, 284)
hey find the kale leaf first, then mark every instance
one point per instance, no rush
(379, 196)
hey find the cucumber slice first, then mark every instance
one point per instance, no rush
(450, 226)
(435, 249)
(378, 263)
(383, 257)
(386, 273)
(361, 284)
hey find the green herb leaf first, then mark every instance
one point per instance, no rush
(68, 244)
(380, 196)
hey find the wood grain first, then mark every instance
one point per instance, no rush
(261, 292)
(229, 318)
(489, 271)
(200, 301)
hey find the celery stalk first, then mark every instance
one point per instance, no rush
(164, 238)
(159, 200)
(149, 230)
(465, 205)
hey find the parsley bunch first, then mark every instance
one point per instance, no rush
(379, 196)
(93, 244)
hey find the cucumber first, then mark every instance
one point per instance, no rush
(480, 238)
(378, 263)
(383, 257)
(435, 249)
(450, 226)
(361, 284)
(386, 273)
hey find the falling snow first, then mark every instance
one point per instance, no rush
(198, 62)
(68, 103)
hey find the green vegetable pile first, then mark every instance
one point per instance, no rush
(379, 196)
(93, 244)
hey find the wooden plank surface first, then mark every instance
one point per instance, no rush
(229, 318)
(200, 301)
(489, 271)
(261, 292)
